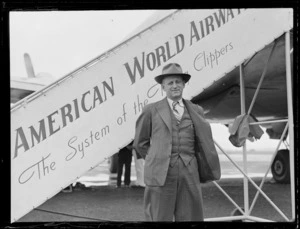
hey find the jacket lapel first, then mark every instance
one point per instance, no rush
(196, 118)
(164, 112)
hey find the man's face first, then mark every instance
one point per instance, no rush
(173, 86)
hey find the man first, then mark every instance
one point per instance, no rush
(124, 159)
(169, 134)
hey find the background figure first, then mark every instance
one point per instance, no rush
(124, 158)
(139, 167)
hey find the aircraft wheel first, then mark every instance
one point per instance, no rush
(281, 167)
(113, 163)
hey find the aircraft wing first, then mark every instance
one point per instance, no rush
(221, 100)
(19, 89)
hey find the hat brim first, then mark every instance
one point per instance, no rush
(185, 77)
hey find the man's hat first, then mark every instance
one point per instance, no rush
(171, 70)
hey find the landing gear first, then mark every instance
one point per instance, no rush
(281, 167)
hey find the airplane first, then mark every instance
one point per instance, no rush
(24, 86)
(220, 100)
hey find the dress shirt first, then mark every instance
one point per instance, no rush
(179, 107)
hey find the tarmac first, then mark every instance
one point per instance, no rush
(106, 203)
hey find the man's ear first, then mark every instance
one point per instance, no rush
(162, 87)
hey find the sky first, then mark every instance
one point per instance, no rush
(58, 42)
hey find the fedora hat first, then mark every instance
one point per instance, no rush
(172, 69)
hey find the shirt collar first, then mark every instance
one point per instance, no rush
(170, 101)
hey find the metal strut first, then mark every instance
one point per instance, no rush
(246, 213)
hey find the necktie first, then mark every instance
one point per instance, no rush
(175, 111)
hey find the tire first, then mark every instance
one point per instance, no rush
(281, 167)
(113, 167)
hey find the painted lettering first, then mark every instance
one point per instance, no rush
(136, 66)
(23, 144)
(60, 118)
(42, 133)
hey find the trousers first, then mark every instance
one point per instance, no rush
(179, 199)
(124, 160)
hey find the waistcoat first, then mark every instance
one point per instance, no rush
(183, 138)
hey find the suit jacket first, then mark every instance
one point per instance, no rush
(153, 138)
